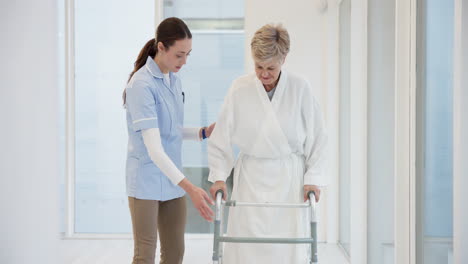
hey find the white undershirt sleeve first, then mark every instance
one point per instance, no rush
(191, 133)
(152, 141)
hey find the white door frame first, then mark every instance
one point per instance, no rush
(460, 130)
(70, 117)
(333, 110)
(405, 128)
(358, 132)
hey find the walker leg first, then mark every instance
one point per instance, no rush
(217, 228)
(216, 243)
(313, 245)
(313, 228)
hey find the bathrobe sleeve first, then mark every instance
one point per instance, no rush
(220, 150)
(315, 142)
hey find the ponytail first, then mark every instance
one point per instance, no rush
(149, 49)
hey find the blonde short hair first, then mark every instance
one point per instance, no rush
(270, 41)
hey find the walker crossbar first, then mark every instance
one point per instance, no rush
(266, 240)
(234, 203)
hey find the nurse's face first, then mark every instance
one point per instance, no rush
(268, 71)
(173, 58)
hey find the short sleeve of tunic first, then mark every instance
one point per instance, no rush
(141, 104)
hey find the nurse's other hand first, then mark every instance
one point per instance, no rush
(209, 129)
(315, 189)
(218, 185)
(200, 200)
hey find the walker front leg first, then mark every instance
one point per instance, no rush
(313, 228)
(217, 228)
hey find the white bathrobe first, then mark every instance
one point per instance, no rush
(281, 145)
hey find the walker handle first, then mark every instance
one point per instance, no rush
(219, 191)
(311, 193)
(219, 203)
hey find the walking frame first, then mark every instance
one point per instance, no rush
(220, 237)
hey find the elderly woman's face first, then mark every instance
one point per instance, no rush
(268, 71)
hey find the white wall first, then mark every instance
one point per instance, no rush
(307, 31)
(28, 138)
(308, 34)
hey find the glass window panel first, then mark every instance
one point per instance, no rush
(106, 46)
(108, 37)
(435, 111)
(205, 79)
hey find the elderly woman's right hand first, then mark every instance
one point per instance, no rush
(218, 185)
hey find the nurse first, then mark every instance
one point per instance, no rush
(156, 186)
(275, 121)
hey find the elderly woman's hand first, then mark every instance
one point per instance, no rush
(315, 189)
(209, 129)
(218, 185)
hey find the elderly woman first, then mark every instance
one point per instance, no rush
(277, 124)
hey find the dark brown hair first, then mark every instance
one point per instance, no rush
(168, 31)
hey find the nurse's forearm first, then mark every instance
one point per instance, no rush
(191, 133)
(152, 140)
(186, 185)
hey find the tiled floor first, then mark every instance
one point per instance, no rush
(198, 251)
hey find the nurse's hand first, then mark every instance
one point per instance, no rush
(315, 189)
(218, 185)
(200, 199)
(209, 129)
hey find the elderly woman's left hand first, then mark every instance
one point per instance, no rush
(209, 129)
(315, 189)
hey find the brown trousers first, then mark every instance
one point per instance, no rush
(149, 217)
